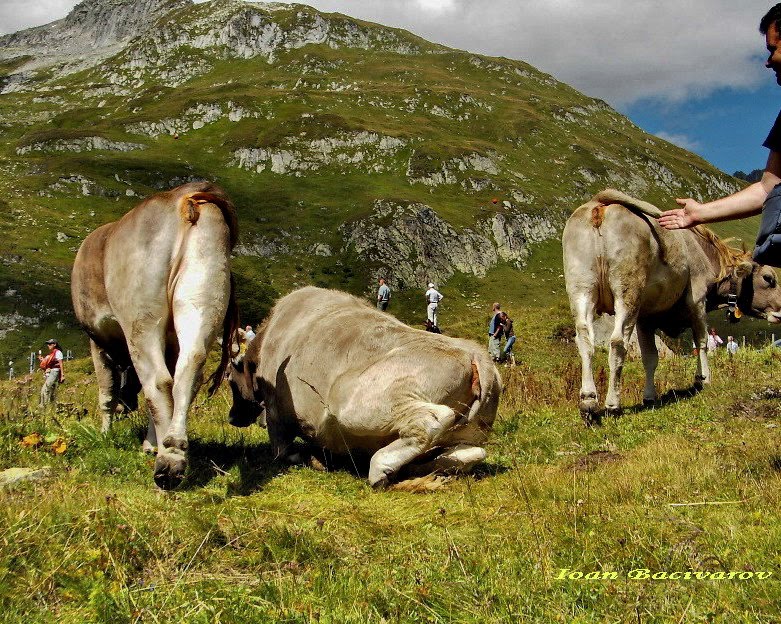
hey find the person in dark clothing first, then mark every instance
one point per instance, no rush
(509, 336)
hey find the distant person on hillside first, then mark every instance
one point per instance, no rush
(764, 195)
(53, 373)
(383, 295)
(249, 334)
(433, 297)
(509, 336)
(732, 346)
(495, 333)
(714, 340)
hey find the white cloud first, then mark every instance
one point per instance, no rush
(436, 5)
(681, 140)
(618, 50)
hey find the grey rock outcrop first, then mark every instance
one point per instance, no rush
(413, 245)
(12, 476)
(93, 30)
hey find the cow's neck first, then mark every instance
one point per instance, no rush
(718, 289)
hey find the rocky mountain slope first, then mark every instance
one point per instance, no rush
(351, 149)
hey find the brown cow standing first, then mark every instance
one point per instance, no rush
(618, 260)
(152, 291)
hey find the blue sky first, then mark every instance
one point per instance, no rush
(726, 128)
(690, 72)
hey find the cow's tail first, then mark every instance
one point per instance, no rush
(190, 209)
(639, 207)
(612, 196)
(230, 330)
(486, 388)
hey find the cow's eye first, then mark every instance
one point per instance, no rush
(771, 280)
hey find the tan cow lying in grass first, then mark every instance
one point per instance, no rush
(152, 291)
(618, 260)
(337, 372)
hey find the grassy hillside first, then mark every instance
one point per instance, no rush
(306, 134)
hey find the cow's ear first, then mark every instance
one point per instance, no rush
(744, 269)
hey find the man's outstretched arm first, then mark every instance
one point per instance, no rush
(744, 203)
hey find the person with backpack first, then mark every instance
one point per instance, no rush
(509, 336)
(53, 373)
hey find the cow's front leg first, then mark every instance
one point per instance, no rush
(459, 459)
(648, 351)
(425, 423)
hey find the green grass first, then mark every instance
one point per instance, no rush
(247, 539)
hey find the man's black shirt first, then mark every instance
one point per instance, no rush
(773, 140)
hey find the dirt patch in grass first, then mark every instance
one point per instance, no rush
(593, 459)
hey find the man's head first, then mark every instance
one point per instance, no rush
(248, 328)
(729, 338)
(382, 281)
(431, 285)
(496, 307)
(503, 316)
(770, 26)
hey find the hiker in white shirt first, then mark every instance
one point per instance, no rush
(433, 297)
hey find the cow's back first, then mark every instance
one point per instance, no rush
(609, 249)
(321, 348)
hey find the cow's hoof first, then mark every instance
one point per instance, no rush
(381, 484)
(615, 412)
(590, 418)
(169, 470)
(176, 442)
(588, 405)
(241, 420)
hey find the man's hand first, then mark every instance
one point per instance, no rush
(681, 218)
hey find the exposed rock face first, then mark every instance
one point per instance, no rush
(367, 150)
(91, 27)
(85, 144)
(414, 245)
(194, 118)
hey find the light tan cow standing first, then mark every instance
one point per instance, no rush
(618, 260)
(337, 372)
(152, 290)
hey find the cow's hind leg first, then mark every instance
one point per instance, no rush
(425, 423)
(108, 384)
(148, 354)
(650, 355)
(583, 311)
(625, 320)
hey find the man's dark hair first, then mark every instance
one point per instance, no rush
(773, 16)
